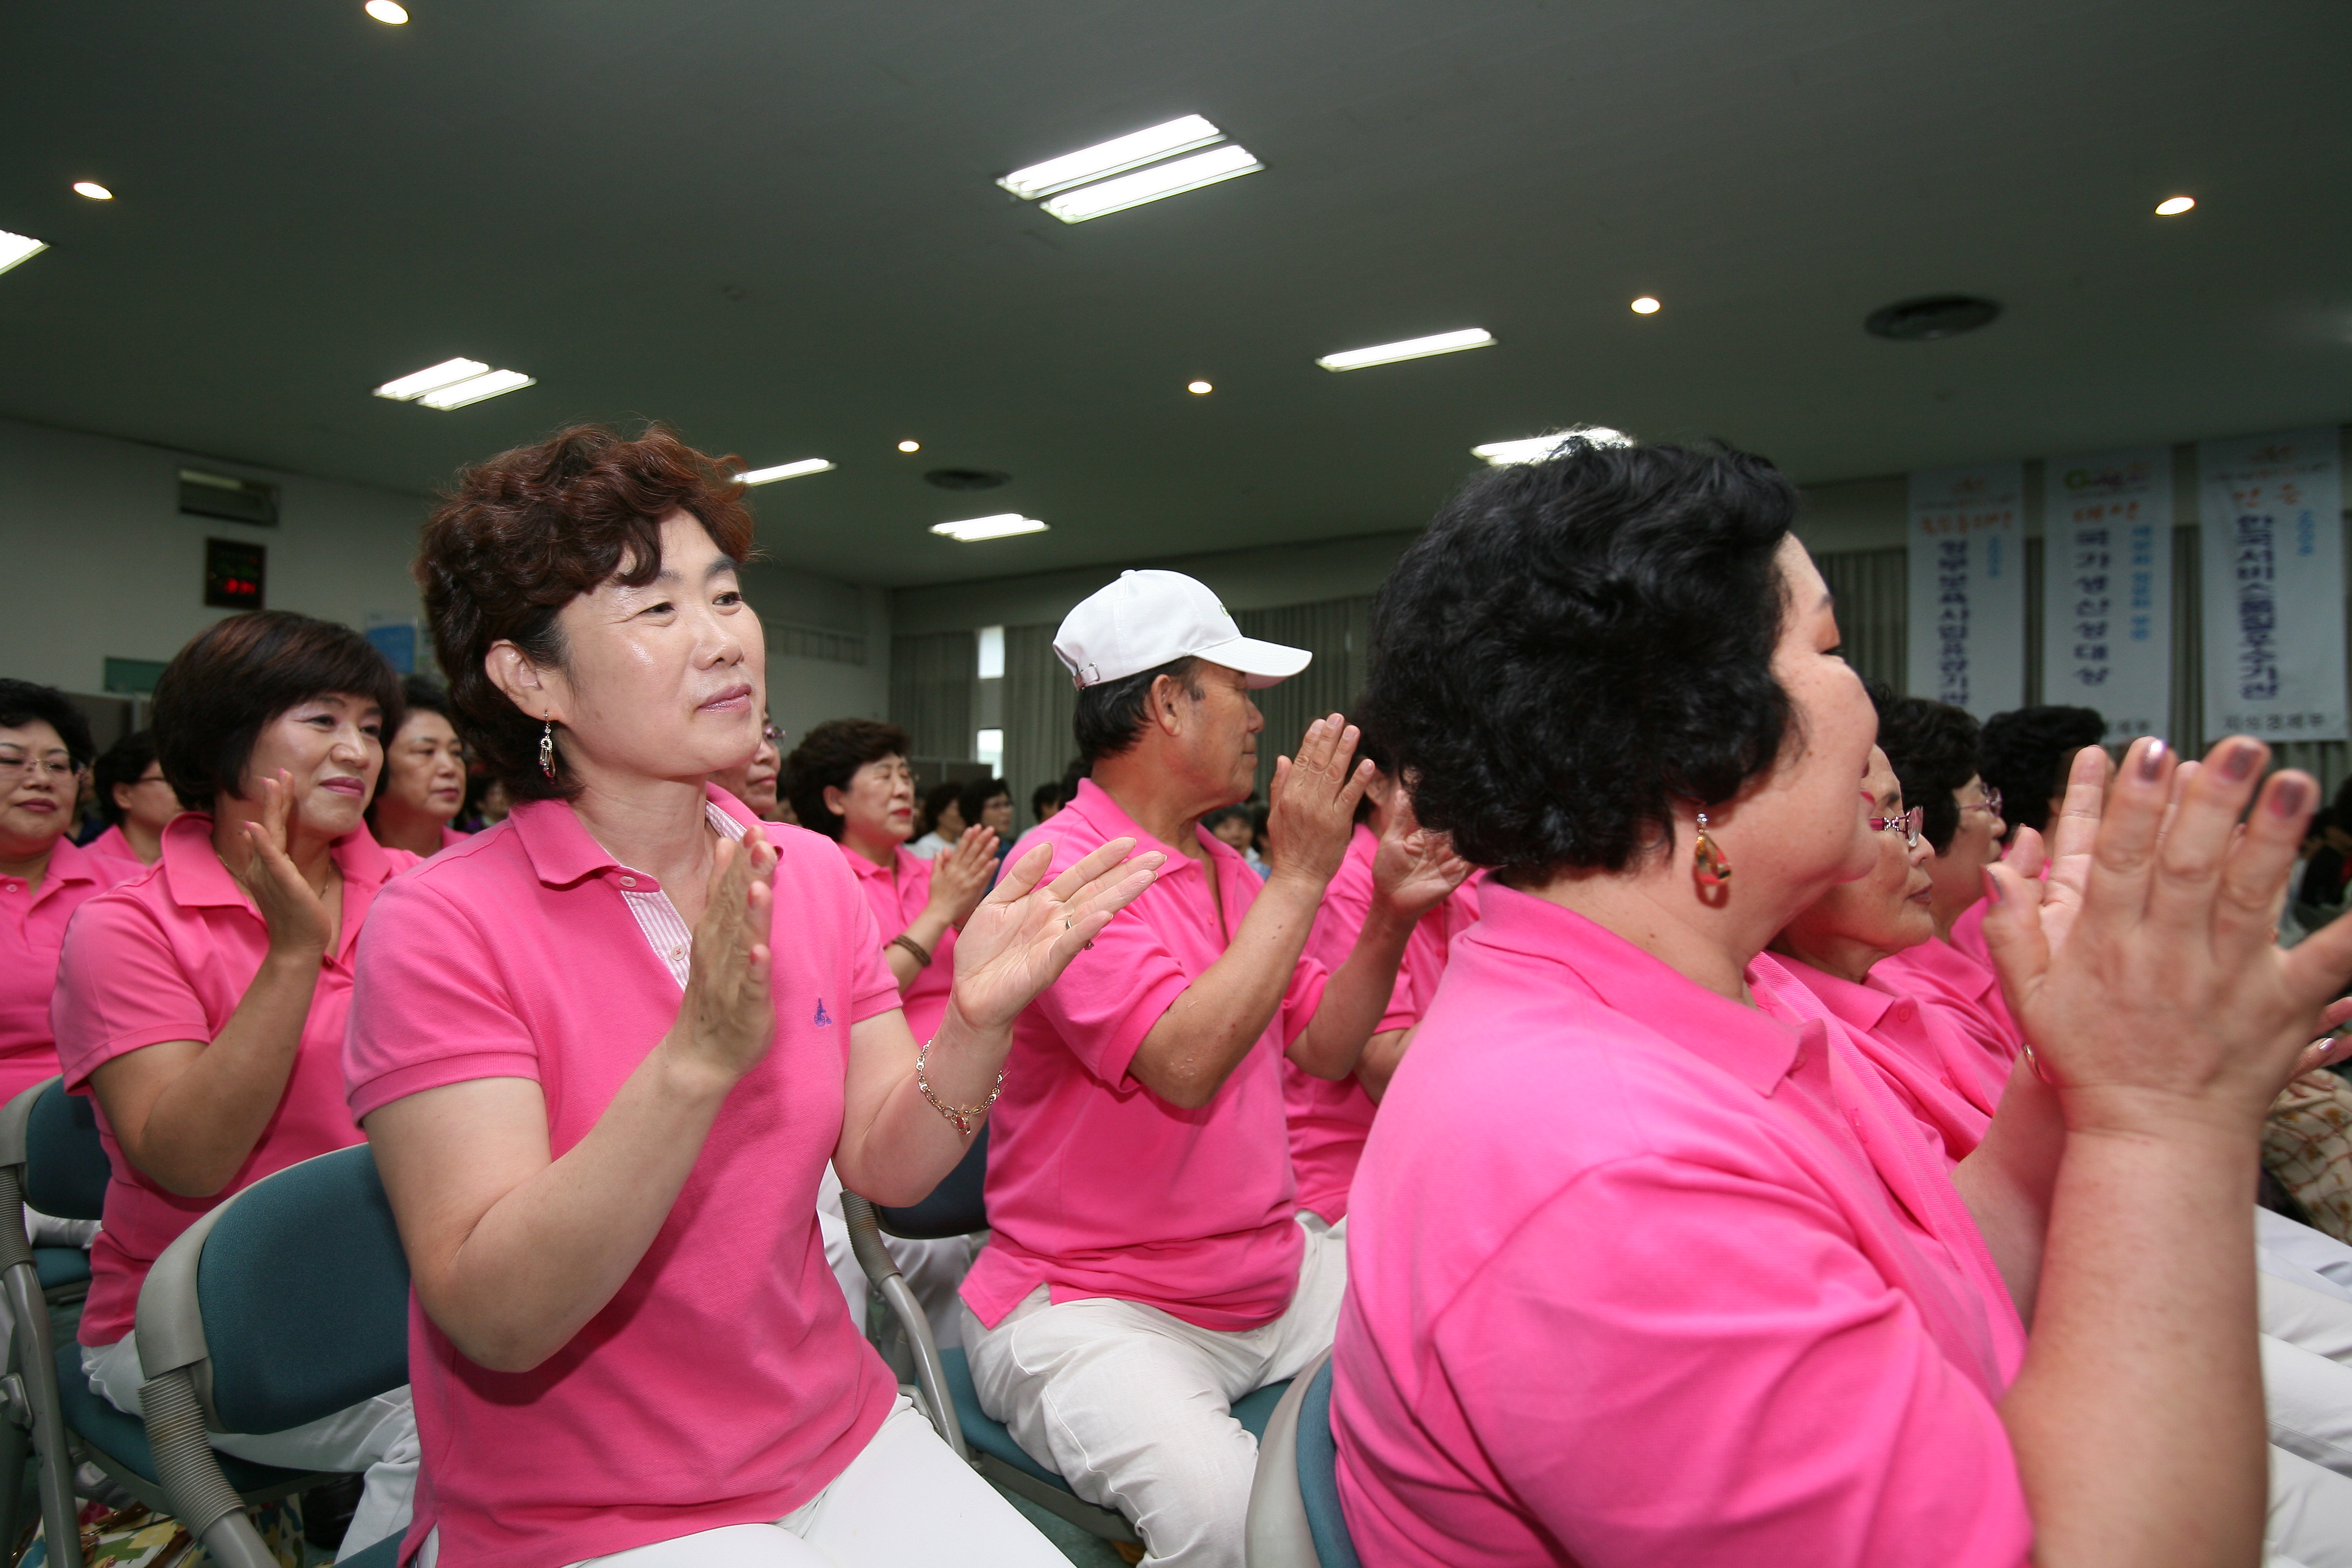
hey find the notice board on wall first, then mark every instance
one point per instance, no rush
(1966, 554)
(2271, 536)
(2106, 588)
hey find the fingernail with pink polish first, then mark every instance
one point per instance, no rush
(1992, 885)
(2239, 760)
(2287, 797)
(2151, 762)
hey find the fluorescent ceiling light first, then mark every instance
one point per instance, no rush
(2173, 207)
(1174, 179)
(1645, 306)
(1112, 157)
(1535, 450)
(1412, 348)
(93, 190)
(448, 373)
(476, 389)
(15, 247)
(785, 472)
(1003, 525)
(388, 12)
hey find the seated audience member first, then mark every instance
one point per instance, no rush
(1328, 1121)
(2327, 870)
(489, 801)
(988, 802)
(1641, 1273)
(943, 820)
(2024, 755)
(1046, 800)
(1231, 826)
(849, 781)
(605, 1049)
(756, 781)
(135, 799)
(44, 877)
(203, 1004)
(424, 775)
(1146, 1264)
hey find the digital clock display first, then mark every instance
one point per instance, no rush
(234, 574)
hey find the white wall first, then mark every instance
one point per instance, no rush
(100, 562)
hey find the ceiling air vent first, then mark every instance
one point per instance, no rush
(235, 500)
(1937, 316)
(967, 478)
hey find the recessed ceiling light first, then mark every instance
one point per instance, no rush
(1412, 348)
(432, 378)
(1645, 306)
(2173, 207)
(93, 190)
(785, 472)
(1112, 157)
(387, 12)
(910, 445)
(16, 247)
(1200, 388)
(1537, 449)
(1218, 164)
(459, 396)
(1003, 525)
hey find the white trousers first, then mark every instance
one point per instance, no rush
(376, 1437)
(906, 1502)
(932, 1270)
(1132, 1406)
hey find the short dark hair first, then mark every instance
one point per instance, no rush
(1576, 645)
(937, 799)
(1933, 746)
(2024, 753)
(973, 798)
(1111, 714)
(1046, 794)
(22, 702)
(236, 675)
(531, 530)
(123, 762)
(826, 758)
(423, 694)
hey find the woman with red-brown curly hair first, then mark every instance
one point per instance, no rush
(605, 1049)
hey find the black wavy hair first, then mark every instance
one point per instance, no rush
(827, 756)
(2025, 752)
(121, 763)
(1577, 645)
(1110, 714)
(22, 701)
(242, 671)
(1933, 746)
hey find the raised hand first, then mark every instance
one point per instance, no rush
(1311, 804)
(1415, 867)
(961, 874)
(727, 1019)
(1021, 936)
(2166, 996)
(297, 918)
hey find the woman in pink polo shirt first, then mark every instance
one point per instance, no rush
(203, 1003)
(424, 775)
(604, 1050)
(136, 800)
(1643, 1271)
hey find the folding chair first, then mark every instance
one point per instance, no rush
(943, 1378)
(1294, 1513)
(232, 1339)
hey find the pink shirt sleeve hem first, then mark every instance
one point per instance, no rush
(88, 1059)
(1127, 1039)
(401, 1082)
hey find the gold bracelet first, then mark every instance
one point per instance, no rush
(922, 955)
(965, 1118)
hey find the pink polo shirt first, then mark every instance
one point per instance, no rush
(113, 845)
(168, 956)
(1640, 1276)
(1328, 1117)
(32, 930)
(1969, 992)
(1096, 1186)
(724, 1383)
(896, 894)
(1934, 1069)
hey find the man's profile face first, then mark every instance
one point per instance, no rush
(1225, 729)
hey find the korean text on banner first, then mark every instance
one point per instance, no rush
(2270, 526)
(2106, 587)
(1968, 586)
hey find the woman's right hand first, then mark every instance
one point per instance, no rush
(962, 873)
(727, 1019)
(297, 918)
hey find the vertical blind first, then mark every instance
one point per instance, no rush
(931, 691)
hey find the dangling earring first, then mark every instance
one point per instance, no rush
(547, 750)
(1714, 870)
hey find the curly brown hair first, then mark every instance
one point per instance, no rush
(529, 531)
(829, 755)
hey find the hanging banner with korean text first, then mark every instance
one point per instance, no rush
(2106, 588)
(1968, 586)
(2269, 512)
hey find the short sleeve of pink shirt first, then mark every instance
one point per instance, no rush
(724, 1383)
(897, 894)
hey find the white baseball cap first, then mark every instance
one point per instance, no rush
(1147, 619)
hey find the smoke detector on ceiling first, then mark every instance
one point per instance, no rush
(1936, 316)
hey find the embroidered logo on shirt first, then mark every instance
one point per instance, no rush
(823, 1018)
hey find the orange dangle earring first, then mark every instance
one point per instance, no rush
(1714, 870)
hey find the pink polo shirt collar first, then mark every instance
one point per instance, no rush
(198, 880)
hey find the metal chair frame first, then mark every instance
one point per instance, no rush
(1277, 1534)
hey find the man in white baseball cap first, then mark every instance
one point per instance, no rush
(1148, 1264)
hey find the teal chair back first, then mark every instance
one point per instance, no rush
(1318, 1474)
(66, 1168)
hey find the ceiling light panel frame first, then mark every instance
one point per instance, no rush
(18, 248)
(1116, 156)
(1213, 167)
(1409, 348)
(977, 530)
(793, 470)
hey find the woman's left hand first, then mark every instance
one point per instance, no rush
(1415, 869)
(1021, 936)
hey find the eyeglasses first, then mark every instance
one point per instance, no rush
(770, 734)
(13, 765)
(1991, 802)
(1908, 825)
